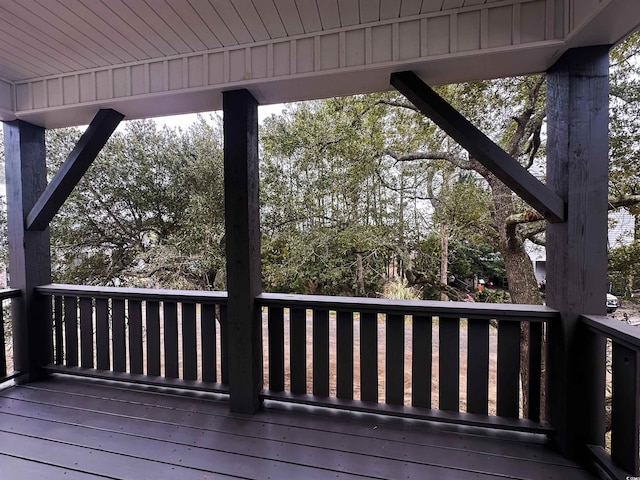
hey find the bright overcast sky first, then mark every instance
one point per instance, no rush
(183, 121)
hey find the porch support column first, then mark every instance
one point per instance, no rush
(242, 223)
(577, 169)
(29, 252)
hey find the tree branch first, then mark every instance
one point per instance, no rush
(395, 103)
(449, 157)
(513, 221)
(626, 201)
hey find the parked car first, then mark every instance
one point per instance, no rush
(612, 303)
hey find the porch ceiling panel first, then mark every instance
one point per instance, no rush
(62, 60)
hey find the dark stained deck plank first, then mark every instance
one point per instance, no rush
(182, 458)
(91, 461)
(502, 443)
(189, 446)
(319, 443)
(20, 468)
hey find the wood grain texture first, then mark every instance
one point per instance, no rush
(209, 344)
(96, 428)
(369, 357)
(478, 367)
(321, 353)
(422, 361)
(298, 349)
(449, 364)
(344, 354)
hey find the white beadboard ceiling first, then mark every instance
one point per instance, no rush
(49, 37)
(60, 60)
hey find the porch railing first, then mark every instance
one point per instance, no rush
(452, 362)
(162, 337)
(407, 358)
(7, 370)
(623, 365)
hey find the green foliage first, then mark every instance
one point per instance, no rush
(624, 268)
(624, 125)
(357, 192)
(399, 290)
(476, 258)
(148, 212)
(492, 296)
(326, 217)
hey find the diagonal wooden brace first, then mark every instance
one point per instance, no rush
(74, 167)
(499, 162)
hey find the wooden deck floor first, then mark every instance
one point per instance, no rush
(80, 429)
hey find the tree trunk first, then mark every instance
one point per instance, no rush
(360, 273)
(523, 286)
(444, 259)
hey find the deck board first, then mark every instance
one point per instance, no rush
(113, 431)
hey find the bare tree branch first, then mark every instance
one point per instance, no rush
(395, 103)
(626, 201)
(450, 157)
(520, 218)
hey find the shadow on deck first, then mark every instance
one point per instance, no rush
(74, 428)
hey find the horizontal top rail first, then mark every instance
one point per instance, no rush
(497, 311)
(10, 293)
(134, 293)
(617, 330)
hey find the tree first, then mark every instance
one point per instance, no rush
(326, 215)
(624, 146)
(148, 211)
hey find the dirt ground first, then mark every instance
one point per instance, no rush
(628, 312)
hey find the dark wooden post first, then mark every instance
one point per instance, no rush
(242, 223)
(29, 252)
(577, 169)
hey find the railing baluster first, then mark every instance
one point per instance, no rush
(3, 346)
(208, 342)
(535, 370)
(344, 354)
(170, 311)
(134, 307)
(224, 345)
(449, 364)
(478, 366)
(153, 338)
(369, 357)
(86, 332)
(298, 349)
(189, 342)
(508, 381)
(625, 409)
(103, 357)
(394, 360)
(421, 362)
(58, 329)
(275, 320)
(321, 352)
(118, 335)
(71, 331)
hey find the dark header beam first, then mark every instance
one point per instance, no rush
(499, 162)
(74, 167)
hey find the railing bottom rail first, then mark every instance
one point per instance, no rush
(604, 464)
(415, 413)
(139, 379)
(6, 378)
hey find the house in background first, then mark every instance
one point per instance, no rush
(620, 233)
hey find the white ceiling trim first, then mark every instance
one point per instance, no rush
(398, 42)
(7, 95)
